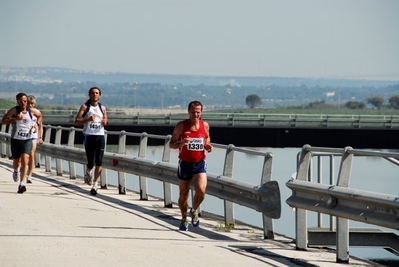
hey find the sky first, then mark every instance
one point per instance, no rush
(345, 39)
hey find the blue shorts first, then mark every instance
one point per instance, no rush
(186, 170)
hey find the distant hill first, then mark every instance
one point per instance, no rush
(65, 75)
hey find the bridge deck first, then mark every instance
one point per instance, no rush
(57, 222)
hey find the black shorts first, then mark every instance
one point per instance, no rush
(19, 147)
(94, 146)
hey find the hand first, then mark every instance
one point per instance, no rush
(19, 117)
(208, 148)
(185, 141)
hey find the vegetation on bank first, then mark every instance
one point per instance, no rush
(254, 102)
(177, 95)
(318, 107)
(298, 110)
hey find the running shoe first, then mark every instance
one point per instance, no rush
(21, 189)
(93, 190)
(88, 178)
(29, 180)
(15, 176)
(194, 218)
(184, 224)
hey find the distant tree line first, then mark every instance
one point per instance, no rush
(157, 95)
(253, 101)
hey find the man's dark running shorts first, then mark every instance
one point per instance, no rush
(19, 147)
(186, 170)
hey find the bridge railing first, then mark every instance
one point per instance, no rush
(264, 198)
(303, 120)
(341, 201)
(242, 119)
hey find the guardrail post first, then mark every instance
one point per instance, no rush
(342, 234)
(345, 168)
(3, 147)
(9, 147)
(122, 175)
(47, 159)
(391, 124)
(228, 172)
(230, 120)
(58, 162)
(103, 177)
(37, 158)
(264, 120)
(268, 230)
(332, 175)
(71, 117)
(319, 180)
(143, 180)
(167, 187)
(301, 231)
(71, 143)
(168, 119)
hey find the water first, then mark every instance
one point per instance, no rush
(368, 173)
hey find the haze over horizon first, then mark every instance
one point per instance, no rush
(341, 39)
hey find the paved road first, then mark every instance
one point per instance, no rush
(58, 223)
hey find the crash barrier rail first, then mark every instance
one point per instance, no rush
(241, 119)
(342, 202)
(264, 198)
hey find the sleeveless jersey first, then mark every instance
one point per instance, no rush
(22, 129)
(194, 151)
(94, 127)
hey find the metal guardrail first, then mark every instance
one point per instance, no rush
(264, 198)
(243, 119)
(341, 201)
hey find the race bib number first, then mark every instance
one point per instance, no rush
(95, 125)
(196, 144)
(23, 134)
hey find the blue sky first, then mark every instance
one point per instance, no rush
(351, 39)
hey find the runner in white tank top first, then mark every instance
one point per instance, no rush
(21, 118)
(93, 116)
